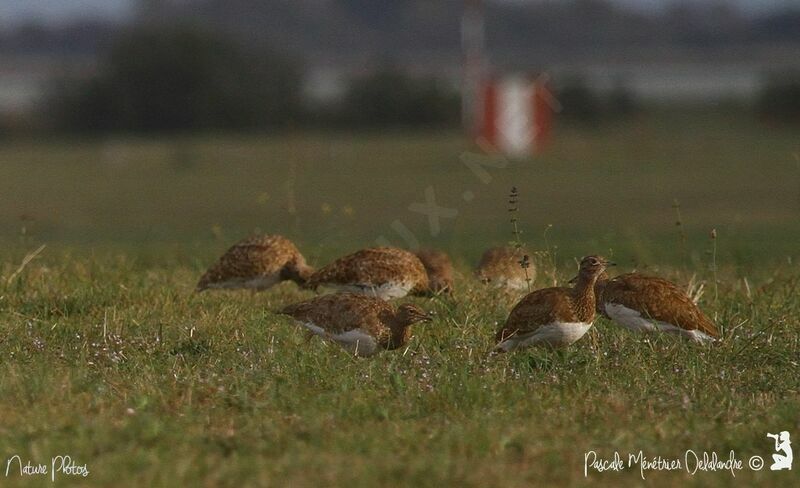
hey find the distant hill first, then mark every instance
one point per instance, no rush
(404, 30)
(60, 11)
(355, 31)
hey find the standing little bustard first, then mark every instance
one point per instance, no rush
(384, 272)
(647, 303)
(362, 325)
(439, 268)
(554, 316)
(502, 267)
(257, 263)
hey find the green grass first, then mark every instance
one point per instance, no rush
(232, 394)
(607, 190)
(108, 356)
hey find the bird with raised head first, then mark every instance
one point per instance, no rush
(257, 263)
(554, 317)
(361, 324)
(383, 272)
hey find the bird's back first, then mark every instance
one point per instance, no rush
(372, 267)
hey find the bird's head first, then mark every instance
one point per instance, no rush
(408, 314)
(592, 267)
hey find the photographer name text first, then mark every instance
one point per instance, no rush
(692, 462)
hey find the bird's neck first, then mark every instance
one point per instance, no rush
(400, 333)
(583, 295)
(599, 289)
(304, 273)
(298, 272)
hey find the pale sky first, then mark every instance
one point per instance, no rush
(56, 10)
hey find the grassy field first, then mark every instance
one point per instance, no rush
(108, 356)
(610, 190)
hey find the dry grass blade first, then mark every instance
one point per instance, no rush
(28, 258)
(695, 289)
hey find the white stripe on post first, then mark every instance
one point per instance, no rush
(515, 121)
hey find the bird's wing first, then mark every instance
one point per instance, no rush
(542, 307)
(660, 300)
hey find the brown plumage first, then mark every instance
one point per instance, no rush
(385, 272)
(501, 267)
(361, 324)
(257, 263)
(647, 303)
(554, 316)
(439, 268)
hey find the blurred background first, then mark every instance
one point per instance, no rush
(195, 122)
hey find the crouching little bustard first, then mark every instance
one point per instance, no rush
(361, 324)
(502, 267)
(257, 263)
(650, 304)
(383, 272)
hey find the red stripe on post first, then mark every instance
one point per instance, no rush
(489, 129)
(542, 116)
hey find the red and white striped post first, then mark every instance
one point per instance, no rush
(516, 117)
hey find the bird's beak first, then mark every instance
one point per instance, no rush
(610, 263)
